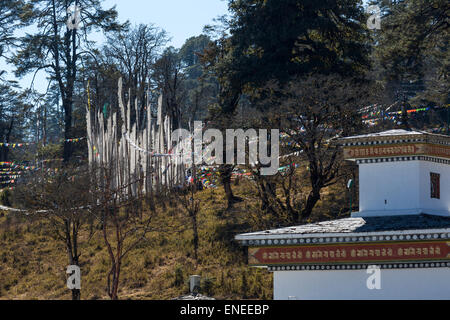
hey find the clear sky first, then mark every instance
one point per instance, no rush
(181, 19)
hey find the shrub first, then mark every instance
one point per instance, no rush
(5, 198)
(207, 286)
(244, 286)
(179, 278)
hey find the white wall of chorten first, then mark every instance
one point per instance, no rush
(396, 284)
(404, 187)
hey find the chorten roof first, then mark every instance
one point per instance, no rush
(397, 136)
(354, 225)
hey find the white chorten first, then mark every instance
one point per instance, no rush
(402, 229)
(401, 173)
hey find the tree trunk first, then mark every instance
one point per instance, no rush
(225, 175)
(72, 252)
(266, 193)
(5, 150)
(4, 154)
(76, 295)
(195, 230)
(67, 130)
(228, 192)
(265, 204)
(115, 283)
(405, 119)
(313, 198)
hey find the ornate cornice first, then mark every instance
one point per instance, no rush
(346, 239)
(400, 150)
(402, 159)
(421, 265)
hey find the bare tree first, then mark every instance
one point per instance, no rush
(281, 194)
(134, 52)
(61, 197)
(169, 79)
(187, 198)
(313, 111)
(124, 220)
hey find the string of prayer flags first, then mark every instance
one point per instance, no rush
(75, 140)
(152, 153)
(383, 115)
(14, 145)
(12, 165)
(21, 145)
(11, 176)
(51, 160)
(8, 182)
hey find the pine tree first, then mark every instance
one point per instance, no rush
(57, 46)
(411, 50)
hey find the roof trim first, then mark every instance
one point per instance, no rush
(396, 133)
(442, 233)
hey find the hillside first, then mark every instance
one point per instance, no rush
(33, 264)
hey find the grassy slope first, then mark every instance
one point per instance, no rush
(32, 264)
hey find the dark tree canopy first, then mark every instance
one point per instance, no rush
(58, 49)
(411, 49)
(274, 39)
(281, 39)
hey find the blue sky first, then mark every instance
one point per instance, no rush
(181, 19)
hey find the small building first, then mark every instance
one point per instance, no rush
(396, 247)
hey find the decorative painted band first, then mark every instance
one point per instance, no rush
(350, 253)
(396, 150)
(421, 265)
(351, 238)
(381, 142)
(443, 140)
(396, 159)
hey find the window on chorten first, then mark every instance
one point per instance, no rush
(435, 185)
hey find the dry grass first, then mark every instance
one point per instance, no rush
(33, 264)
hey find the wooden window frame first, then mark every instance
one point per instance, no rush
(435, 185)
